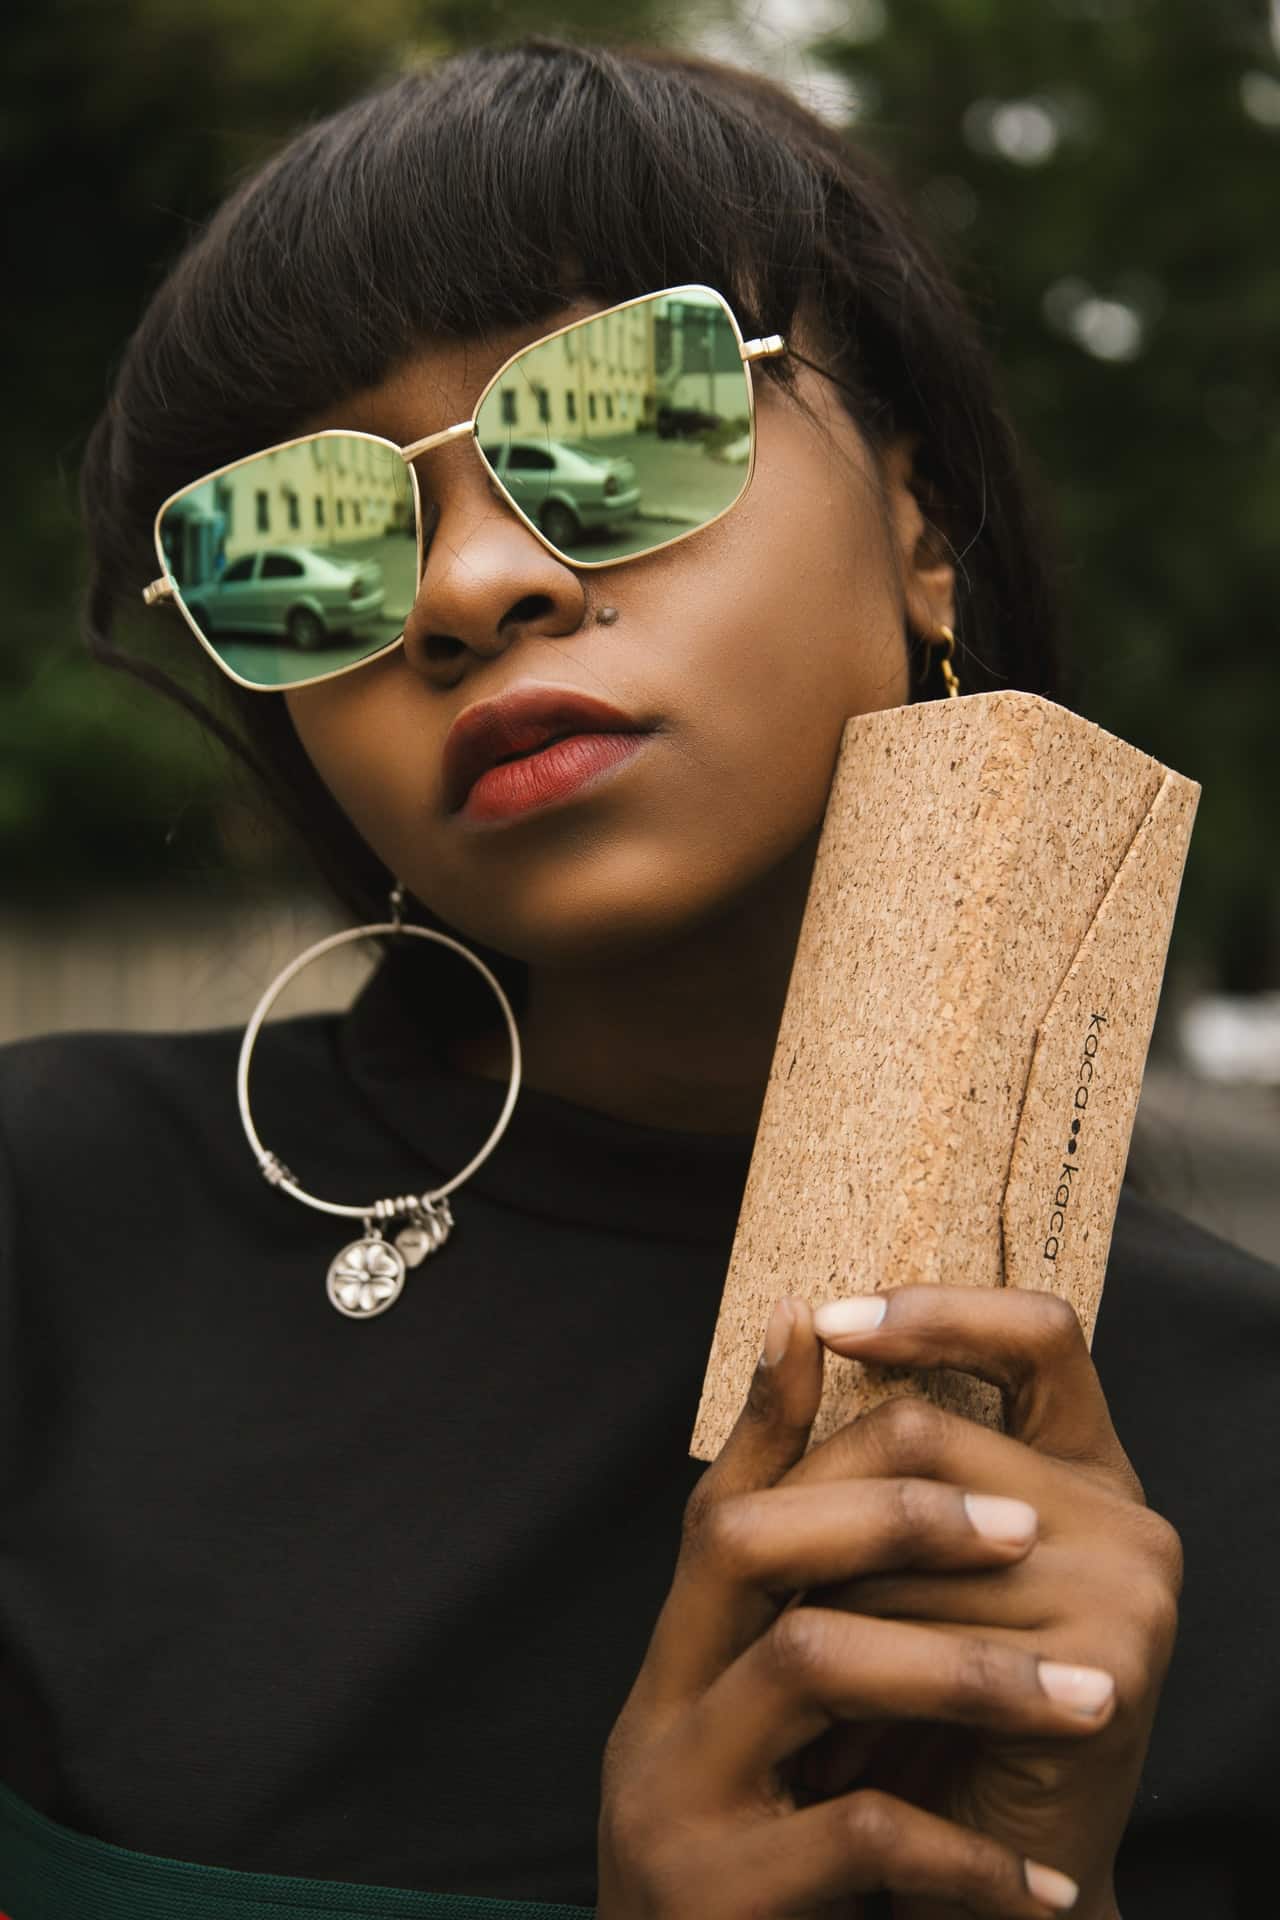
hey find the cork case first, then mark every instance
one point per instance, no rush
(964, 1034)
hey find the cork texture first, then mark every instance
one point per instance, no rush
(987, 866)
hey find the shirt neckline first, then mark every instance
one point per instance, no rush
(556, 1159)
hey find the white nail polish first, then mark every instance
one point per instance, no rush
(850, 1316)
(1000, 1518)
(1049, 1885)
(1086, 1688)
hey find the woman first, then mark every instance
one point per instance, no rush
(299, 1617)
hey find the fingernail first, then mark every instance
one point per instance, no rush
(778, 1333)
(1086, 1688)
(1001, 1519)
(1049, 1885)
(850, 1316)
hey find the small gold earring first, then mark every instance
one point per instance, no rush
(945, 638)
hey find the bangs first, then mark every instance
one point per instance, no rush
(485, 193)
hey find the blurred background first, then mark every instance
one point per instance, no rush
(1104, 175)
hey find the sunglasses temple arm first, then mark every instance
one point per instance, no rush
(764, 349)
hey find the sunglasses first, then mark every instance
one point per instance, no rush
(610, 438)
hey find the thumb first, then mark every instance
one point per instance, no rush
(712, 1613)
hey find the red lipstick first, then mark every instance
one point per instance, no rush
(518, 786)
(532, 746)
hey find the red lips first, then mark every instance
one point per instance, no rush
(519, 722)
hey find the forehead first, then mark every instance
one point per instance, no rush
(439, 382)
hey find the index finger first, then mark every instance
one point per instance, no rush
(1031, 1345)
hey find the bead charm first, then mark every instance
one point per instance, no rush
(429, 1227)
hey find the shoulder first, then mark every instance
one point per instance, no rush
(1164, 1265)
(59, 1087)
(52, 1063)
(1187, 1347)
(80, 1102)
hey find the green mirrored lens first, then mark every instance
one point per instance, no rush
(299, 561)
(626, 431)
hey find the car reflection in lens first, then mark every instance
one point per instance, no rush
(290, 592)
(566, 490)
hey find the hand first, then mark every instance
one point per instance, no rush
(697, 1821)
(1099, 1588)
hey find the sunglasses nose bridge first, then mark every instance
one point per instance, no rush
(456, 488)
(485, 577)
(461, 430)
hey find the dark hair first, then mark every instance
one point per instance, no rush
(489, 190)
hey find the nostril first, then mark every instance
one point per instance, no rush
(441, 648)
(531, 607)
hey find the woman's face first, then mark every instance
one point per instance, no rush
(746, 647)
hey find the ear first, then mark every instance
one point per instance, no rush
(928, 576)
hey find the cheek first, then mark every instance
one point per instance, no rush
(793, 622)
(365, 736)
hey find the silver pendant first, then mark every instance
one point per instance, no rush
(366, 1278)
(429, 1228)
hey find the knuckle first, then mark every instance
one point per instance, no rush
(872, 1824)
(1164, 1545)
(729, 1535)
(982, 1672)
(1155, 1608)
(798, 1646)
(912, 1509)
(1056, 1331)
(910, 1432)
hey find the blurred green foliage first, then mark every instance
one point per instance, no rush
(1104, 175)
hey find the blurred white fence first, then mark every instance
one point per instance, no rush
(134, 964)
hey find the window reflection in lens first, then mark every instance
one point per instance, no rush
(625, 431)
(297, 561)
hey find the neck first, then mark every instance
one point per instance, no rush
(680, 1036)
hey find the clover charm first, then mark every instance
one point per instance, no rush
(366, 1278)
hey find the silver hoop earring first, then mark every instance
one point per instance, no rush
(368, 1275)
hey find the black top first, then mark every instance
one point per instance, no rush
(292, 1593)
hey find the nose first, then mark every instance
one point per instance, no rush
(486, 579)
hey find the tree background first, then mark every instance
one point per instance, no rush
(1104, 175)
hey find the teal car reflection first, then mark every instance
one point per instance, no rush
(566, 490)
(292, 592)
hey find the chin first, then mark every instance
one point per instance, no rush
(576, 925)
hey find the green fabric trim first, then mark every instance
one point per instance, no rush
(50, 1872)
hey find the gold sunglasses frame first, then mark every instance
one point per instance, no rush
(166, 587)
